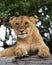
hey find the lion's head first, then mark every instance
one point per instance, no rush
(23, 25)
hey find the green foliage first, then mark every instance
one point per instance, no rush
(26, 7)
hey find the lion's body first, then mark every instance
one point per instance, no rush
(29, 41)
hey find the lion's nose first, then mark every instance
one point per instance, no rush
(21, 30)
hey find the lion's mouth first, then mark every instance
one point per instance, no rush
(22, 35)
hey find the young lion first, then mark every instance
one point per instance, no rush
(28, 38)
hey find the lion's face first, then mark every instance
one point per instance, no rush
(22, 26)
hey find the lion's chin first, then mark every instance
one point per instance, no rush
(22, 36)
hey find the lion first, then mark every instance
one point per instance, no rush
(28, 40)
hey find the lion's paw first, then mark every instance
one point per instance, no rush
(20, 52)
(44, 53)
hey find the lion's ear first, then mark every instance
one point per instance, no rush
(34, 19)
(12, 20)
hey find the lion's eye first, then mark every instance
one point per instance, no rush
(17, 23)
(26, 23)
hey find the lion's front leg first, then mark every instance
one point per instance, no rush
(44, 51)
(7, 52)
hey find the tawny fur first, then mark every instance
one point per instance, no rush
(31, 41)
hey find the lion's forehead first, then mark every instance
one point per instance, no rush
(22, 19)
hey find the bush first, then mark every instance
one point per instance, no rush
(42, 8)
